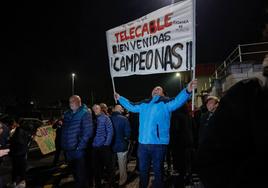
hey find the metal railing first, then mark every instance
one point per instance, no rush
(245, 53)
(238, 55)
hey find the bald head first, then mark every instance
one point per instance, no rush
(75, 102)
(158, 90)
(118, 108)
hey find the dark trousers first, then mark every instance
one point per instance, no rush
(154, 153)
(19, 164)
(179, 159)
(57, 155)
(135, 153)
(102, 158)
(1, 182)
(89, 166)
(78, 168)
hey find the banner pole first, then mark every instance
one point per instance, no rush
(194, 50)
(113, 89)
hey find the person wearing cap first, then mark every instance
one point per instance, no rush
(204, 96)
(211, 103)
(198, 113)
(234, 152)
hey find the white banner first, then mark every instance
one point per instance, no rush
(159, 42)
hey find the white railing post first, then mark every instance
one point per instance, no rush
(240, 54)
(225, 66)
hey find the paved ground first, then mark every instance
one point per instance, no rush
(43, 173)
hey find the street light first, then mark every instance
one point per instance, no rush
(178, 75)
(73, 76)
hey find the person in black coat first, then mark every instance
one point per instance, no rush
(181, 141)
(211, 103)
(234, 153)
(4, 133)
(58, 126)
(19, 142)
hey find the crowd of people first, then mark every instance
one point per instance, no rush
(91, 143)
(223, 141)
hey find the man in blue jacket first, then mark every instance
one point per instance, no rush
(121, 141)
(76, 130)
(154, 129)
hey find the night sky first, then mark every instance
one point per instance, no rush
(43, 42)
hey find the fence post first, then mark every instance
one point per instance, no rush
(240, 54)
(225, 66)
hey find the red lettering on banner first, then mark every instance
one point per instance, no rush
(136, 31)
(117, 38)
(167, 19)
(152, 27)
(132, 32)
(122, 36)
(147, 28)
(159, 26)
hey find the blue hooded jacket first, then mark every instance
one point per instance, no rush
(155, 117)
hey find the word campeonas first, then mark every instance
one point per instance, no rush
(150, 60)
(147, 28)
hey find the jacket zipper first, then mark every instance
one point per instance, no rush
(157, 131)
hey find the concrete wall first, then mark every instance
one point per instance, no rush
(240, 72)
